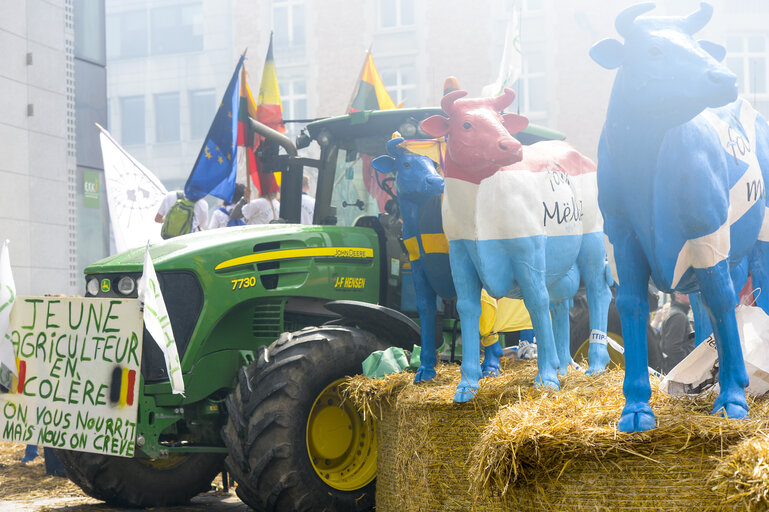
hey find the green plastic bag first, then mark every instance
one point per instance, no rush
(385, 362)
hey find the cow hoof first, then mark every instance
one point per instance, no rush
(490, 370)
(544, 382)
(465, 394)
(424, 374)
(598, 358)
(591, 371)
(636, 418)
(736, 410)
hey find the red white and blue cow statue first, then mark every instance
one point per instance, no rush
(419, 189)
(519, 228)
(682, 164)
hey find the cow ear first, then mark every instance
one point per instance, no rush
(435, 126)
(716, 51)
(514, 123)
(609, 53)
(384, 164)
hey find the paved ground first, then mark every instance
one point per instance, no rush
(26, 488)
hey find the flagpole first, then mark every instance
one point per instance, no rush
(360, 77)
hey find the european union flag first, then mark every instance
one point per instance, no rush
(215, 170)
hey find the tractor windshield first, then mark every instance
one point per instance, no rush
(357, 191)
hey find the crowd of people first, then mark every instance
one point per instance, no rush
(241, 211)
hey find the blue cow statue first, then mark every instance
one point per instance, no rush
(682, 163)
(521, 223)
(419, 189)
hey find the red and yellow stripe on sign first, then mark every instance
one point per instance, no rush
(18, 382)
(127, 387)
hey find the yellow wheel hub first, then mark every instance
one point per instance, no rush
(341, 445)
(615, 358)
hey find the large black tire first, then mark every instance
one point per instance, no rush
(135, 482)
(267, 431)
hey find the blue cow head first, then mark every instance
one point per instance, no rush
(665, 73)
(416, 178)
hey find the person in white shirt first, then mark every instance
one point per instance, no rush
(221, 216)
(261, 210)
(308, 202)
(199, 214)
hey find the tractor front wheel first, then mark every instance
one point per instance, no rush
(137, 482)
(294, 443)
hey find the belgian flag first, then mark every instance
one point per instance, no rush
(268, 111)
(370, 93)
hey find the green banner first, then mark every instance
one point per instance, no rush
(91, 186)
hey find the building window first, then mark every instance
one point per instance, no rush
(289, 28)
(167, 117)
(748, 57)
(132, 120)
(748, 60)
(177, 29)
(127, 35)
(396, 13)
(531, 88)
(293, 95)
(202, 111)
(402, 85)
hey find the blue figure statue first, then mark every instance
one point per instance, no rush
(682, 163)
(419, 189)
(521, 222)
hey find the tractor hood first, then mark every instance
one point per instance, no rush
(207, 250)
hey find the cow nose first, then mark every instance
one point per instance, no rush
(720, 77)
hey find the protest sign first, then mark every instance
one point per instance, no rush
(78, 371)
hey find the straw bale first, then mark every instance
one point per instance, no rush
(517, 447)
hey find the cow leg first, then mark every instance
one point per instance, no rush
(597, 278)
(759, 271)
(720, 300)
(633, 306)
(702, 327)
(426, 308)
(468, 286)
(531, 280)
(491, 356)
(561, 299)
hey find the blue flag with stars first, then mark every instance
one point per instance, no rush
(216, 168)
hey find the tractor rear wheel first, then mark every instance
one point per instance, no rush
(138, 482)
(294, 444)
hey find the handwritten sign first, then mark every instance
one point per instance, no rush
(78, 363)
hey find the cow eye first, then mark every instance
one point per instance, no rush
(406, 164)
(654, 51)
(467, 126)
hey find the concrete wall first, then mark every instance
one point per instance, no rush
(37, 171)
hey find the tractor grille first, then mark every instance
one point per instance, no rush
(268, 319)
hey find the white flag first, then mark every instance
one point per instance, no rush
(510, 67)
(133, 194)
(158, 323)
(7, 298)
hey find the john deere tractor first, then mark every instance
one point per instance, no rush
(268, 321)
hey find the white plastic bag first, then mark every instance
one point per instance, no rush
(698, 372)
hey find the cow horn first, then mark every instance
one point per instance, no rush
(447, 103)
(697, 20)
(625, 19)
(503, 100)
(393, 146)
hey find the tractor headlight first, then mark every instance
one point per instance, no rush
(92, 287)
(126, 285)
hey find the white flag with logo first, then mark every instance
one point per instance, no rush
(510, 66)
(7, 298)
(158, 323)
(133, 195)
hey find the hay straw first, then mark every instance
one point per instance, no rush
(743, 476)
(516, 447)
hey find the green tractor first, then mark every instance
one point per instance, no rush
(268, 321)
